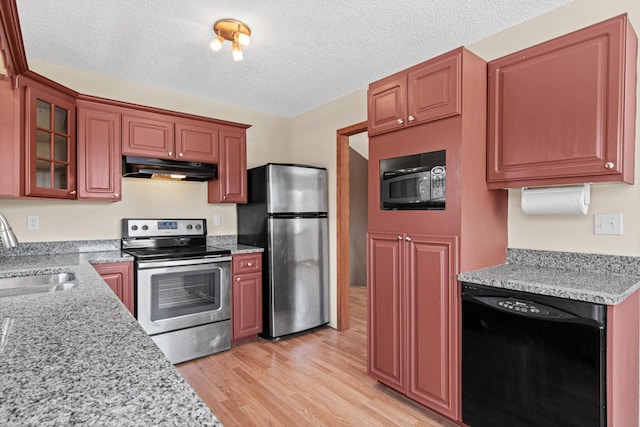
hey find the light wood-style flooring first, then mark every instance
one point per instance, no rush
(317, 378)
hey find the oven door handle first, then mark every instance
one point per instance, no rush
(143, 265)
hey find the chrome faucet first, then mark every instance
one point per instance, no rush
(9, 239)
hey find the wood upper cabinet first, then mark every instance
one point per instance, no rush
(148, 134)
(119, 277)
(246, 296)
(99, 155)
(231, 185)
(413, 317)
(563, 111)
(162, 136)
(426, 92)
(197, 141)
(50, 142)
(10, 143)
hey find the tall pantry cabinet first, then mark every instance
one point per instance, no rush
(413, 256)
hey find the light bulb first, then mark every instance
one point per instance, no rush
(244, 39)
(236, 50)
(216, 44)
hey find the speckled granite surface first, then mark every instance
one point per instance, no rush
(597, 278)
(77, 357)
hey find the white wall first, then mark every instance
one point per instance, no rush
(572, 233)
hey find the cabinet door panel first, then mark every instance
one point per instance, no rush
(10, 170)
(247, 305)
(147, 135)
(50, 157)
(119, 277)
(385, 310)
(197, 142)
(557, 110)
(387, 108)
(433, 335)
(99, 158)
(231, 185)
(434, 91)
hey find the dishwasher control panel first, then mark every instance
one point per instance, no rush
(521, 306)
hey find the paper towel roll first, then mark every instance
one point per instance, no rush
(556, 200)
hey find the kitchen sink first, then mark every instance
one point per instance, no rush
(40, 283)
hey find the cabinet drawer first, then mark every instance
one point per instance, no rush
(247, 263)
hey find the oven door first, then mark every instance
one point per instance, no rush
(178, 294)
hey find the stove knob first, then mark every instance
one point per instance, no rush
(189, 226)
(145, 227)
(198, 226)
(134, 227)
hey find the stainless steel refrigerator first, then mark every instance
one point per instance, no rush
(286, 214)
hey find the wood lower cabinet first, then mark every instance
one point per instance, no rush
(563, 112)
(99, 152)
(119, 277)
(246, 296)
(231, 185)
(413, 313)
(426, 92)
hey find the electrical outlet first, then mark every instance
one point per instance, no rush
(607, 224)
(33, 222)
(216, 220)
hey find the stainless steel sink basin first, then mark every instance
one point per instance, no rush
(11, 286)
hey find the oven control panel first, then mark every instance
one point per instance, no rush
(163, 227)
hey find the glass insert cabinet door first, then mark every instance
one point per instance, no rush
(51, 159)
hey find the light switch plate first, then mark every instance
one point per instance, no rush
(216, 220)
(607, 224)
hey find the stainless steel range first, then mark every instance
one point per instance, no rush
(182, 286)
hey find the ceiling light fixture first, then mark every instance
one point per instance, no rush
(238, 33)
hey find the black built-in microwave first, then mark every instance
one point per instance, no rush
(413, 182)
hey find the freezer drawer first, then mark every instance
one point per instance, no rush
(295, 189)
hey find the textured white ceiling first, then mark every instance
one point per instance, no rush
(303, 53)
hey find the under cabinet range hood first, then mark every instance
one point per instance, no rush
(146, 167)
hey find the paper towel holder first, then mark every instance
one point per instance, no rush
(560, 200)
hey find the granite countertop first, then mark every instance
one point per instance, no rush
(79, 357)
(237, 249)
(596, 278)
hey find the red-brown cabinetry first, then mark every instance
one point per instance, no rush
(413, 317)
(10, 143)
(426, 92)
(563, 111)
(119, 277)
(50, 141)
(246, 296)
(163, 136)
(414, 255)
(231, 185)
(99, 159)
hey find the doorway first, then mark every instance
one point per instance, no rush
(343, 252)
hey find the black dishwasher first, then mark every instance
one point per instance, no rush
(531, 360)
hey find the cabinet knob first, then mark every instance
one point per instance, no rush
(116, 194)
(411, 118)
(408, 239)
(399, 237)
(180, 154)
(171, 153)
(249, 264)
(609, 165)
(224, 197)
(73, 193)
(400, 121)
(237, 279)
